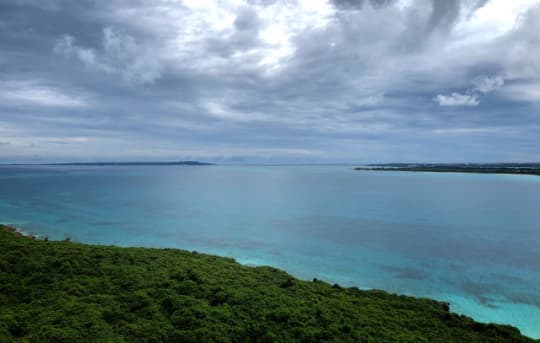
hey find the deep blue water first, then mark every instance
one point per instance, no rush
(470, 239)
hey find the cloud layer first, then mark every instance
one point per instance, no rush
(270, 81)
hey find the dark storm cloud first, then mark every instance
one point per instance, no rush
(268, 80)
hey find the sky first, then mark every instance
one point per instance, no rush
(268, 81)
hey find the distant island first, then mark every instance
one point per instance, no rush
(62, 291)
(133, 163)
(482, 168)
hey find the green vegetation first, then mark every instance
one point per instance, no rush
(60, 291)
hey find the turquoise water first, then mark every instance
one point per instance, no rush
(470, 239)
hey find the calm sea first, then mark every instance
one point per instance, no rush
(470, 239)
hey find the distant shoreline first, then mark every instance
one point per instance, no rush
(133, 163)
(516, 169)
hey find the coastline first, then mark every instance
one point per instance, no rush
(16, 231)
(445, 306)
(445, 169)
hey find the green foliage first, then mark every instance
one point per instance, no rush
(52, 291)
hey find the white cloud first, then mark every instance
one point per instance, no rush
(34, 94)
(482, 85)
(204, 36)
(488, 84)
(494, 19)
(221, 109)
(456, 99)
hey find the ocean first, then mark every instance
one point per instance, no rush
(470, 239)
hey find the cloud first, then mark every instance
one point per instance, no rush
(482, 85)
(219, 110)
(24, 93)
(120, 54)
(47, 5)
(469, 131)
(358, 4)
(66, 47)
(488, 84)
(456, 99)
(524, 91)
(521, 53)
(350, 80)
(443, 14)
